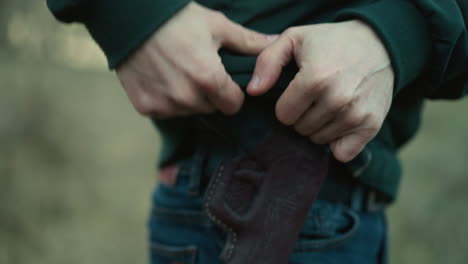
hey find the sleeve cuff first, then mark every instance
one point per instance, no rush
(403, 30)
(121, 26)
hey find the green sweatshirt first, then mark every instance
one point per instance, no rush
(427, 41)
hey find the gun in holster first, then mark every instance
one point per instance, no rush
(261, 198)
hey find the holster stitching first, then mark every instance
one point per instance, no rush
(232, 235)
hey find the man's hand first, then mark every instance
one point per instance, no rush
(343, 90)
(178, 71)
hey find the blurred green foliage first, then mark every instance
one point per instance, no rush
(76, 162)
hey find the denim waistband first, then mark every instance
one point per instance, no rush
(339, 187)
(214, 141)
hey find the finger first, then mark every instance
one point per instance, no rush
(191, 102)
(297, 99)
(348, 147)
(330, 132)
(322, 120)
(333, 130)
(186, 95)
(270, 64)
(333, 103)
(199, 104)
(148, 99)
(313, 119)
(347, 120)
(219, 88)
(159, 108)
(204, 106)
(238, 38)
(177, 87)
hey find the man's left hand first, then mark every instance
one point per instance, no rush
(343, 90)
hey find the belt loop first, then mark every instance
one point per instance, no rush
(196, 171)
(358, 195)
(373, 204)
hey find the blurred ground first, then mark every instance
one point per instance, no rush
(77, 172)
(76, 162)
(429, 220)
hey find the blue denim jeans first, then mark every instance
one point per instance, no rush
(334, 233)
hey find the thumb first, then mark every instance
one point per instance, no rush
(238, 38)
(348, 147)
(270, 64)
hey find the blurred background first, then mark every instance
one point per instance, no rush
(76, 162)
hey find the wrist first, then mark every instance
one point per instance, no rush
(405, 38)
(370, 37)
(375, 56)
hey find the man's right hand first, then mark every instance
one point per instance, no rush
(178, 71)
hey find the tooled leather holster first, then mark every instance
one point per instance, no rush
(261, 199)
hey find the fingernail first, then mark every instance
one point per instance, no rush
(254, 83)
(272, 38)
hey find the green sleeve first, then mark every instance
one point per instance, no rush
(118, 26)
(426, 40)
(447, 74)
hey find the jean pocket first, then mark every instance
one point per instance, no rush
(328, 225)
(165, 254)
(183, 177)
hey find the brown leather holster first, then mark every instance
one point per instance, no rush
(261, 199)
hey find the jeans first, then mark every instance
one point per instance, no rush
(334, 233)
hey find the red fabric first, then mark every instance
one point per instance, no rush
(168, 175)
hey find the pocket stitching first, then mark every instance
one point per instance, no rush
(176, 251)
(232, 235)
(324, 244)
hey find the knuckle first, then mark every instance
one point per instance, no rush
(263, 59)
(353, 119)
(236, 101)
(317, 139)
(222, 80)
(374, 128)
(148, 108)
(350, 122)
(162, 112)
(292, 31)
(322, 79)
(219, 18)
(319, 87)
(369, 116)
(250, 39)
(143, 106)
(206, 77)
(284, 121)
(367, 135)
(208, 109)
(318, 84)
(143, 110)
(301, 130)
(338, 102)
(310, 88)
(342, 100)
(183, 99)
(220, 15)
(283, 118)
(371, 130)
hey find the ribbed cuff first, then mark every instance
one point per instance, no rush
(403, 30)
(121, 26)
